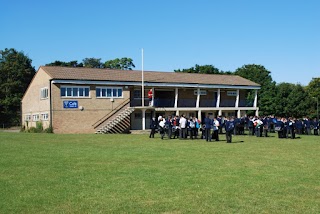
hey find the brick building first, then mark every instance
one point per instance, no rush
(89, 100)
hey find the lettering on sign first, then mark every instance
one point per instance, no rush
(70, 104)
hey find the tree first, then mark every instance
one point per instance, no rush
(202, 69)
(16, 72)
(313, 90)
(122, 64)
(65, 64)
(92, 63)
(259, 74)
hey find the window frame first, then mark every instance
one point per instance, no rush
(36, 117)
(68, 89)
(108, 92)
(44, 118)
(44, 93)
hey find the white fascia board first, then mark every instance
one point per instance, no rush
(153, 84)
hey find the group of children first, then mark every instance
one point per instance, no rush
(209, 129)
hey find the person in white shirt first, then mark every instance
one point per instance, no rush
(162, 124)
(183, 127)
(215, 133)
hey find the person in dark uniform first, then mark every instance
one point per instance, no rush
(169, 125)
(266, 126)
(307, 126)
(279, 127)
(220, 126)
(153, 126)
(229, 129)
(315, 127)
(291, 127)
(208, 125)
(251, 126)
(299, 126)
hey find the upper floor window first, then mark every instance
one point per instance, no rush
(44, 93)
(137, 94)
(109, 92)
(75, 91)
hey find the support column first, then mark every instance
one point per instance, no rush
(152, 101)
(218, 98)
(220, 112)
(198, 98)
(255, 99)
(199, 115)
(143, 119)
(177, 112)
(257, 112)
(176, 98)
(238, 114)
(237, 99)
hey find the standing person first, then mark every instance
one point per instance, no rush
(169, 125)
(150, 95)
(196, 129)
(279, 128)
(251, 126)
(153, 126)
(229, 129)
(216, 125)
(266, 126)
(208, 125)
(183, 127)
(315, 127)
(220, 122)
(191, 127)
(162, 125)
(259, 126)
(307, 126)
(299, 126)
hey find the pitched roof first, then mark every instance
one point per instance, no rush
(69, 73)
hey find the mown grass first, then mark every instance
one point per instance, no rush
(45, 173)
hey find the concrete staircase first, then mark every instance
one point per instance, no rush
(120, 123)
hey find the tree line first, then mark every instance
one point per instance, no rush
(281, 99)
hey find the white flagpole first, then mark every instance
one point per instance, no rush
(142, 81)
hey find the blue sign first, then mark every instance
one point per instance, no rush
(70, 104)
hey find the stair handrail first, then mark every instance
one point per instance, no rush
(111, 113)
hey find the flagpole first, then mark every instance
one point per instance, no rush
(142, 81)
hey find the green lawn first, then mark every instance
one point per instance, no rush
(51, 173)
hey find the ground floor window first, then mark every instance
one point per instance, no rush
(44, 116)
(35, 117)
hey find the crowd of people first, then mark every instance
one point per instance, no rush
(209, 129)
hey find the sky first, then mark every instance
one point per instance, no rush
(281, 35)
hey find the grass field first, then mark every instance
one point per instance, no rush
(51, 173)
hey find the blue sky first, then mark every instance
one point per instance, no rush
(282, 35)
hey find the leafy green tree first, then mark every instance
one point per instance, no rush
(313, 90)
(92, 63)
(16, 72)
(122, 64)
(202, 69)
(259, 74)
(65, 64)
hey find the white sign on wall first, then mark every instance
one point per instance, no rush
(232, 93)
(202, 92)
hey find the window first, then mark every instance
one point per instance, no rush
(35, 117)
(74, 91)
(109, 92)
(137, 94)
(27, 117)
(44, 116)
(44, 93)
